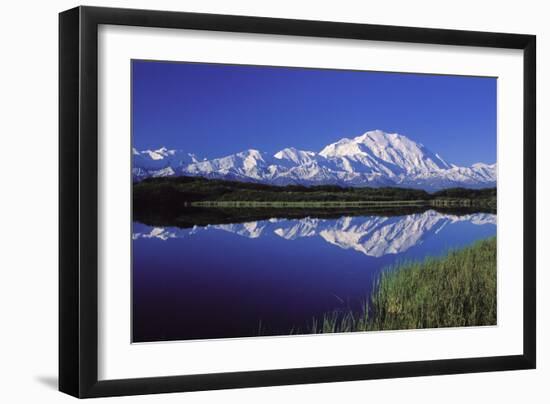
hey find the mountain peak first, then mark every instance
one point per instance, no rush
(294, 155)
(376, 135)
(375, 158)
(397, 153)
(251, 153)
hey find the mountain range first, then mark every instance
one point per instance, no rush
(373, 236)
(374, 159)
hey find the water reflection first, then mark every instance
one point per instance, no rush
(374, 236)
(224, 280)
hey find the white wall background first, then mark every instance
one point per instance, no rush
(28, 199)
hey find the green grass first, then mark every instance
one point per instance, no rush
(456, 290)
(303, 204)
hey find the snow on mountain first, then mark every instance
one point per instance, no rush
(486, 171)
(393, 153)
(373, 159)
(374, 236)
(247, 229)
(247, 165)
(380, 236)
(294, 156)
(160, 233)
(160, 163)
(306, 227)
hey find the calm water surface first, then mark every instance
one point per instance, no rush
(272, 276)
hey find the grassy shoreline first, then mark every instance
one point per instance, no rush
(456, 290)
(334, 204)
(304, 204)
(187, 201)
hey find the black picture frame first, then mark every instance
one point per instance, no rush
(78, 201)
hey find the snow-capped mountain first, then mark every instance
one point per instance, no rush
(247, 165)
(373, 159)
(374, 236)
(160, 163)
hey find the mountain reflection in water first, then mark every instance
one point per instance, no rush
(374, 236)
(269, 276)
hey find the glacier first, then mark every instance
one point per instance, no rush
(374, 159)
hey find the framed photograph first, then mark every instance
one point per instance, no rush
(251, 201)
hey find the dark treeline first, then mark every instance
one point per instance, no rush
(192, 189)
(167, 200)
(485, 193)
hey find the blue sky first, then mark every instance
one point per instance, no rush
(213, 110)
